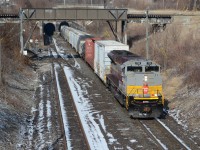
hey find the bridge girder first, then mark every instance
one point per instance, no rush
(74, 14)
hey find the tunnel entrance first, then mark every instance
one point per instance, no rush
(64, 23)
(48, 30)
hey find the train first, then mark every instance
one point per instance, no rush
(134, 81)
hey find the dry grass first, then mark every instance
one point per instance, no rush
(193, 77)
(172, 49)
(12, 60)
(159, 4)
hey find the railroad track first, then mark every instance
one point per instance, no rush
(72, 128)
(163, 136)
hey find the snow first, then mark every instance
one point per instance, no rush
(93, 132)
(133, 141)
(173, 134)
(60, 52)
(129, 148)
(64, 114)
(40, 125)
(49, 114)
(175, 113)
(112, 140)
(30, 127)
(55, 55)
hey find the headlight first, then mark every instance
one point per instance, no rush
(145, 78)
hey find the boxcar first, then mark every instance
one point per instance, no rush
(101, 60)
(89, 50)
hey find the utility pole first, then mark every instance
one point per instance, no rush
(21, 31)
(147, 34)
(123, 31)
(0, 62)
(195, 5)
(104, 1)
(163, 4)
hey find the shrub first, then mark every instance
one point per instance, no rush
(193, 77)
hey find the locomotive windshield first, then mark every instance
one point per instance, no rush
(134, 69)
(151, 68)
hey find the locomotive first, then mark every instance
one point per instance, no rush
(135, 82)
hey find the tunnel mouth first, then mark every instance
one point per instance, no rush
(49, 29)
(63, 23)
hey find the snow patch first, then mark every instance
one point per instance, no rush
(60, 52)
(175, 113)
(133, 141)
(63, 111)
(93, 132)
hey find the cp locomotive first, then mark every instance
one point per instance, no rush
(134, 81)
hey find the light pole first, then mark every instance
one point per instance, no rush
(0, 61)
(147, 34)
(163, 4)
(36, 45)
(21, 31)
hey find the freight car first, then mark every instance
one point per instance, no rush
(88, 55)
(136, 84)
(75, 37)
(102, 62)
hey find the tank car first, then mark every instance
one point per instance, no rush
(136, 84)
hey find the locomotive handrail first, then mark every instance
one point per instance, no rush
(141, 94)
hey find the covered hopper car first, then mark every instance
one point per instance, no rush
(76, 38)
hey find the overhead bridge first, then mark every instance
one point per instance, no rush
(86, 14)
(74, 14)
(9, 16)
(152, 18)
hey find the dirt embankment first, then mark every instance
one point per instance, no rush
(17, 86)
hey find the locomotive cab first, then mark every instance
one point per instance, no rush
(143, 85)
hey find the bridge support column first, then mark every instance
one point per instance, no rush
(123, 31)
